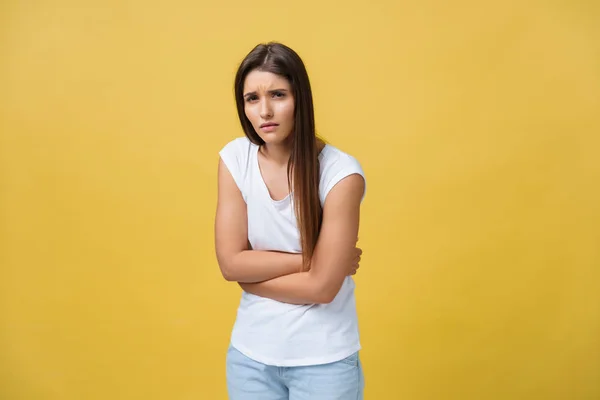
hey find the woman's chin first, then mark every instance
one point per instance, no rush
(275, 138)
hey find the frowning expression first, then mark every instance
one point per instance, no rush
(269, 105)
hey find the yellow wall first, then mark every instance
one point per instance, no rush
(476, 122)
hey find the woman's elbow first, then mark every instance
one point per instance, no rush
(228, 276)
(227, 270)
(323, 298)
(231, 270)
(327, 292)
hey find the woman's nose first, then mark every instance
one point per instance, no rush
(266, 110)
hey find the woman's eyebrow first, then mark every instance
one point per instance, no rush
(270, 92)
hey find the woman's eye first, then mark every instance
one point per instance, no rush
(251, 98)
(278, 94)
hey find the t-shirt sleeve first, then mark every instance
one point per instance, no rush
(341, 168)
(233, 156)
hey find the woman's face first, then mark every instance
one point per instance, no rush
(269, 105)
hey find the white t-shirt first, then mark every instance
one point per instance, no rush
(272, 332)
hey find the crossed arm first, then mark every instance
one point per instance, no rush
(275, 275)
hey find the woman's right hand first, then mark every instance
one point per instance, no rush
(355, 261)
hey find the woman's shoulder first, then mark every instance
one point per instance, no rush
(335, 165)
(238, 148)
(241, 142)
(332, 157)
(236, 154)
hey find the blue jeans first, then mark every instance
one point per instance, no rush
(251, 380)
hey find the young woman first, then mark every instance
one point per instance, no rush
(286, 230)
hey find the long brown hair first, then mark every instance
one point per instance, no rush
(303, 166)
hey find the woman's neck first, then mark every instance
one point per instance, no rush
(280, 152)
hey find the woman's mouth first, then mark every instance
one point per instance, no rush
(269, 126)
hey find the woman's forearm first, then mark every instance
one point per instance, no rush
(297, 288)
(258, 266)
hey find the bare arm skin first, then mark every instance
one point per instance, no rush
(236, 261)
(334, 253)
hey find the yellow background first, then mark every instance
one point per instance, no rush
(476, 123)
